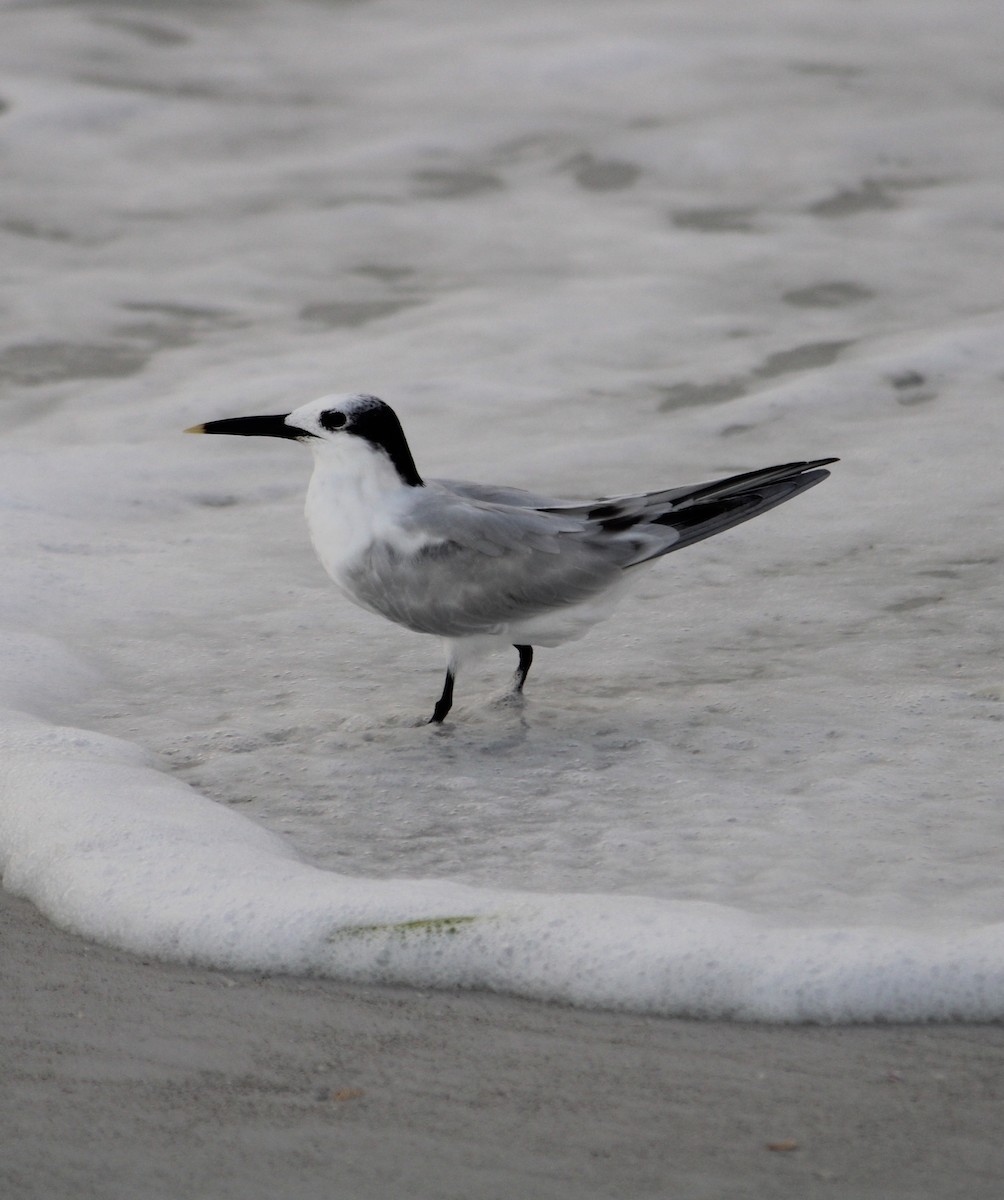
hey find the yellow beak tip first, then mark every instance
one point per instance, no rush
(196, 429)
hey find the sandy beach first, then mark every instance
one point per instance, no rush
(129, 1078)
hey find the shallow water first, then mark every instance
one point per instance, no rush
(584, 252)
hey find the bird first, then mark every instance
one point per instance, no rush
(480, 566)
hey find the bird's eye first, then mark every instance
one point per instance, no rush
(333, 419)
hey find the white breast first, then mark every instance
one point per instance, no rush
(355, 497)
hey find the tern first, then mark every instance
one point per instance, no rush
(480, 566)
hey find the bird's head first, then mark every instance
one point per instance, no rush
(325, 424)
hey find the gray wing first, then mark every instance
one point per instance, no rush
(701, 510)
(490, 493)
(454, 591)
(482, 562)
(480, 565)
(656, 523)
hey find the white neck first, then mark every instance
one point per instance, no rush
(352, 498)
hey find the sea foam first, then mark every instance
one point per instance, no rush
(582, 249)
(108, 846)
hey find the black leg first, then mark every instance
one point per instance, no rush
(445, 701)
(525, 659)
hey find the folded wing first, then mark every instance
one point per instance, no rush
(475, 564)
(701, 510)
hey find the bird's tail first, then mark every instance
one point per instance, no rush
(702, 511)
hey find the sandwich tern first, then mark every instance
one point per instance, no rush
(484, 567)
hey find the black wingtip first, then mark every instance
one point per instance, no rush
(717, 507)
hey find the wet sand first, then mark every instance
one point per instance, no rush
(129, 1078)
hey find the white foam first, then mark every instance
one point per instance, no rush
(773, 790)
(109, 847)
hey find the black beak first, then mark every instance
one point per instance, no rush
(273, 426)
